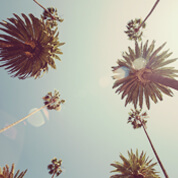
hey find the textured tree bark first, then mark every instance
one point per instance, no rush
(162, 80)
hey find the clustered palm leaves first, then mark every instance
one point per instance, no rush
(55, 167)
(141, 63)
(133, 31)
(53, 101)
(29, 45)
(137, 119)
(51, 15)
(6, 173)
(136, 166)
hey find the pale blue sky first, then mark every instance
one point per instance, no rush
(91, 130)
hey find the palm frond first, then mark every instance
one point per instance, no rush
(28, 46)
(6, 173)
(140, 61)
(136, 165)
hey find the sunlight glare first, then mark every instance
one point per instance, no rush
(39, 118)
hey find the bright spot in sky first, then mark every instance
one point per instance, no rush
(121, 72)
(6, 120)
(104, 81)
(46, 113)
(38, 119)
(139, 63)
(11, 140)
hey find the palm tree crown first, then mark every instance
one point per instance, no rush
(143, 60)
(55, 167)
(133, 31)
(136, 166)
(6, 173)
(53, 101)
(28, 46)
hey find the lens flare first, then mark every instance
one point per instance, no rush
(39, 118)
(11, 140)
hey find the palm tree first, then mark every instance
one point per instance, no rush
(52, 102)
(138, 119)
(29, 45)
(133, 27)
(55, 167)
(6, 173)
(142, 71)
(49, 12)
(146, 74)
(136, 166)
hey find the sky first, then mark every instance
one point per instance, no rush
(91, 130)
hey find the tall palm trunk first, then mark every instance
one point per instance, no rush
(157, 157)
(19, 121)
(162, 80)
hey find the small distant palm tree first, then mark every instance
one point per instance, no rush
(29, 45)
(132, 29)
(138, 120)
(55, 167)
(136, 166)
(134, 26)
(147, 75)
(6, 173)
(52, 102)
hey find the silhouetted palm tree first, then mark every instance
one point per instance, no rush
(50, 101)
(147, 74)
(133, 26)
(136, 166)
(133, 31)
(29, 45)
(138, 120)
(55, 167)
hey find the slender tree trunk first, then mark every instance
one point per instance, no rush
(45, 9)
(157, 157)
(53, 175)
(162, 80)
(148, 14)
(17, 122)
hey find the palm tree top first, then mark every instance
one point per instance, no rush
(137, 119)
(133, 31)
(51, 14)
(29, 45)
(141, 61)
(53, 101)
(136, 166)
(55, 167)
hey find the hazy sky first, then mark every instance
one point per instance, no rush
(91, 130)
